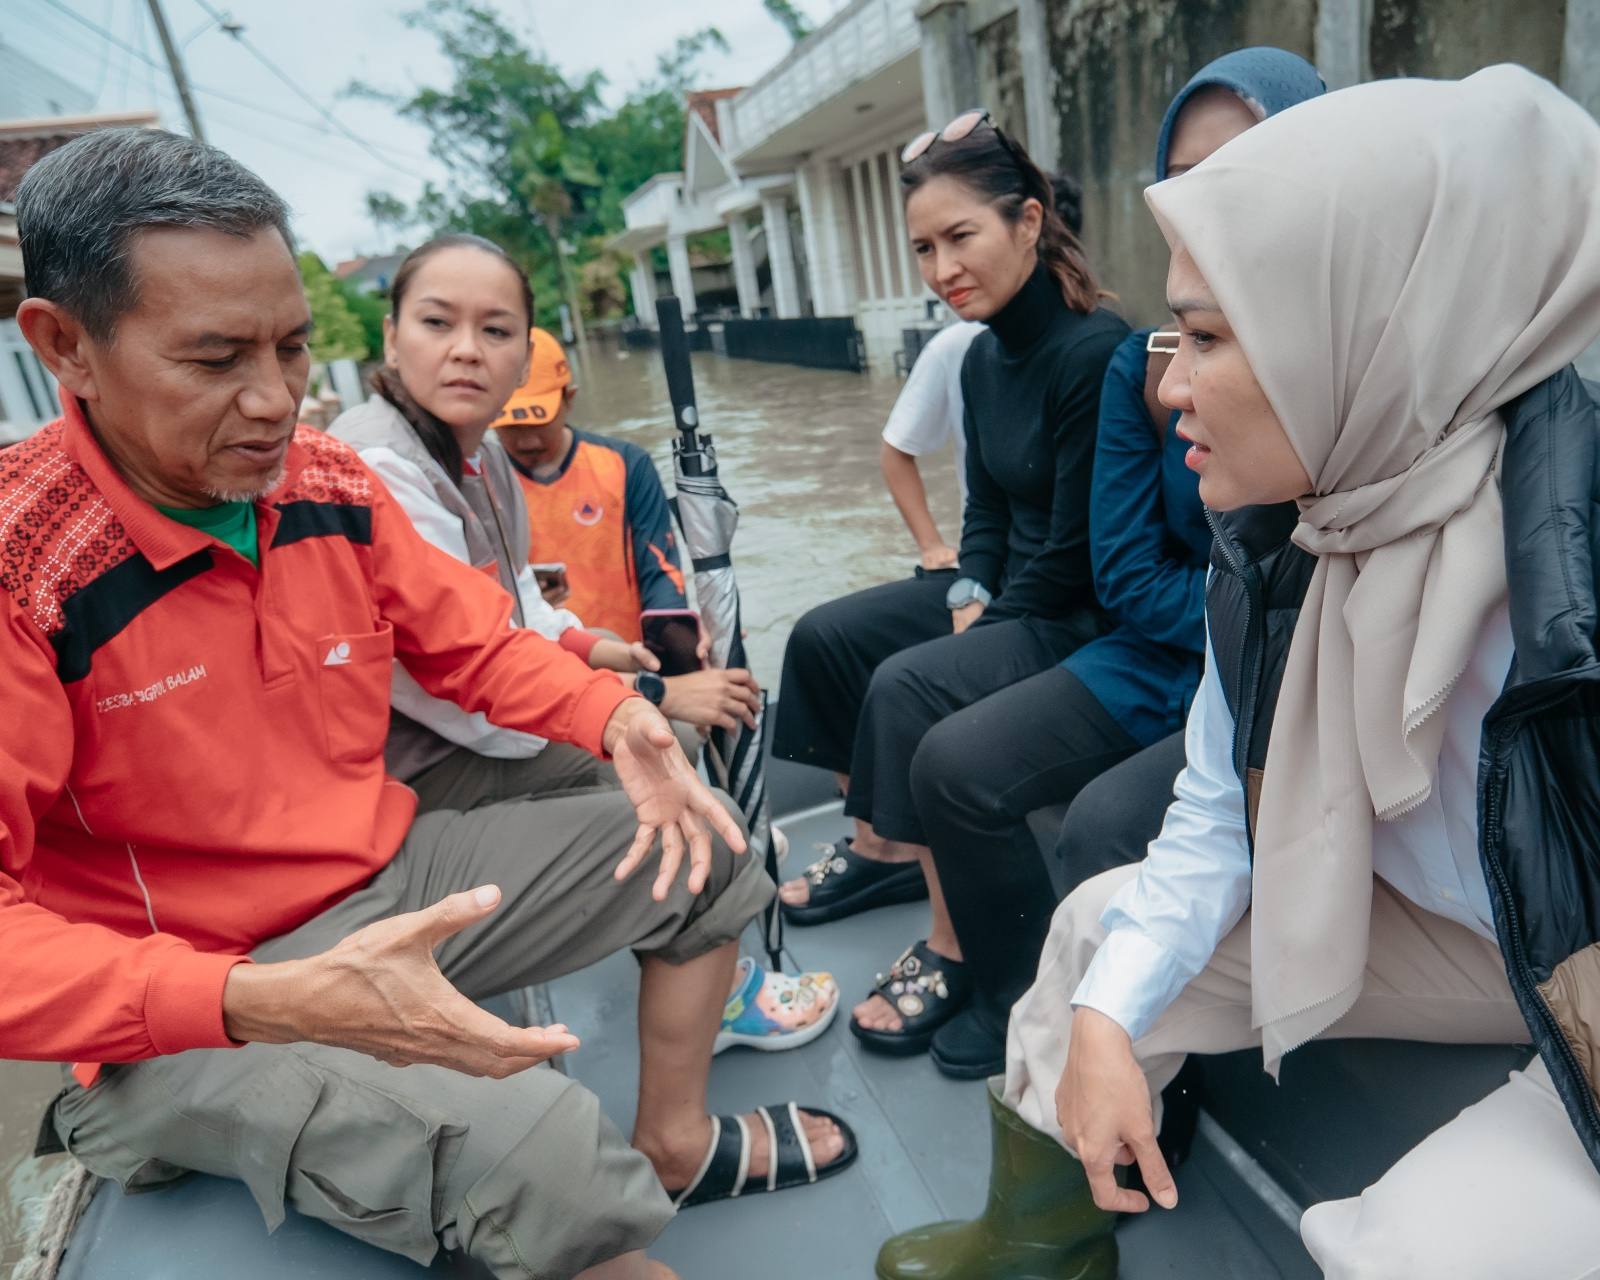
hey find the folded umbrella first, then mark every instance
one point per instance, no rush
(708, 518)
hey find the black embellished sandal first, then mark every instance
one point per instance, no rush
(926, 990)
(725, 1172)
(844, 883)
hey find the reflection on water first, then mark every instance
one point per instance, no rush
(798, 450)
(799, 453)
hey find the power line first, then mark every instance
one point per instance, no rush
(313, 125)
(305, 97)
(223, 96)
(105, 58)
(180, 77)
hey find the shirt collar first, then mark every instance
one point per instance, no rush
(161, 541)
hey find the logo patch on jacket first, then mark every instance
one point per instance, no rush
(338, 656)
(588, 513)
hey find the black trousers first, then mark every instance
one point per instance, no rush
(975, 777)
(915, 689)
(832, 654)
(1115, 817)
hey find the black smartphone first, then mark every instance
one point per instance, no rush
(673, 635)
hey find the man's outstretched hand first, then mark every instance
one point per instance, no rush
(667, 796)
(380, 992)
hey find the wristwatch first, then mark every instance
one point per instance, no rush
(965, 591)
(650, 686)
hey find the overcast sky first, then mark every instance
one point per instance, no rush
(324, 44)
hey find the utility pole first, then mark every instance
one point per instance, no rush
(179, 79)
(570, 288)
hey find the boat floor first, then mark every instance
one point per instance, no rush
(924, 1138)
(924, 1157)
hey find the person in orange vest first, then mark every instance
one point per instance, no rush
(595, 504)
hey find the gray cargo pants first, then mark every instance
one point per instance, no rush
(526, 1174)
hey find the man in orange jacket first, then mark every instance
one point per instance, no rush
(594, 503)
(206, 880)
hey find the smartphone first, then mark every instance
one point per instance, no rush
(673, 635)
(552, 579)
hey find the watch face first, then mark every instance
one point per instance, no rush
(651, 686)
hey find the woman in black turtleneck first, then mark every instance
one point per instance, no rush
(867, 678)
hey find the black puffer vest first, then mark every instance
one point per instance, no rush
(1539, 765)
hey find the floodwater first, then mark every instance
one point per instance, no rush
(798, 450)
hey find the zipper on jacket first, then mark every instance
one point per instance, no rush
(1249, 652)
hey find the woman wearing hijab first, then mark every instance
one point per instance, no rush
(1149, 541)
(1442, 456)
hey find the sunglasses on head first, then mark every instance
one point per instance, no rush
(961, 127)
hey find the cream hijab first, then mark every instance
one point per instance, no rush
(1398, 261)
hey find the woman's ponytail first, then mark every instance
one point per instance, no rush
(436, 436)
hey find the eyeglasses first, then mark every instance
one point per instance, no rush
(961, 127)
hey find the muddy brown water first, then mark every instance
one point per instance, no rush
(799, 452)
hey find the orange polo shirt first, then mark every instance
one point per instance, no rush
(192, 757)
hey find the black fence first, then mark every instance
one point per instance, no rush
(821, 342)
(832, 342)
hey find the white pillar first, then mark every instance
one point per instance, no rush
(1039, 84)
(1342, 38)
(871, 268)
(780, 255)
(644, 288)
(949, 61)
(830, 255)
(908, 260)
(682, 274)
(893, 286)
(744, 266)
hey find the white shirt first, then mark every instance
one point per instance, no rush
(927, 415)
(442, 527)
(1194, 885)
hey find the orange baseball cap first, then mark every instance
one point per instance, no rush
(538, 400)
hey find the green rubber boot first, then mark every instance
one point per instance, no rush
(1040, 1223)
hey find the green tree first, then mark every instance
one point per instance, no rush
(532, 156)
(337, 332)
(791, 19)
(370, 309)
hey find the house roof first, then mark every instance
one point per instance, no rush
(703, 102)
(23, 142)
(376, 270)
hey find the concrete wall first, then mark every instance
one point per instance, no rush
(1000, 87)
(1447, 39)
(1117, 64)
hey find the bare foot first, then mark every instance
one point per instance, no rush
(877, 1014)
(678, 1159)
(797, 892)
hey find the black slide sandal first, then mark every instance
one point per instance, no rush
(725, 1172)
(843, 883)
(926, 989)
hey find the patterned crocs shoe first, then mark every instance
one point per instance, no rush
(773, 1011)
